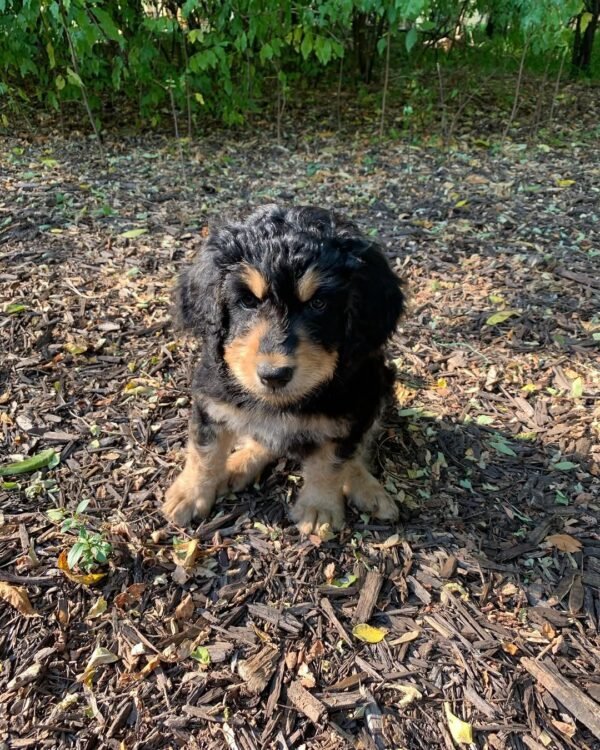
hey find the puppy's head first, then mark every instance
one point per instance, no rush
(288, 299)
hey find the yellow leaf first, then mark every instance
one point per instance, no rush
(97, 609)
(453, 587)
(186, 553)
(497, 299)
(564, 542)
(411, 635)
(461, 204)
(391, 541)
(565, 183)
(17, 597)
(441, 383)
(325, 533)
(510, 648)
(87, 579)
(410, 694)
(76, 348)
(368, 633)
(99, 656)
(461, 732)
(500, 317)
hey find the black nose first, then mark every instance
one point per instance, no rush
(274, 377)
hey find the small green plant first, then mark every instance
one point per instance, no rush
(90, 548)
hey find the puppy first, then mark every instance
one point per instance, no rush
(293, 307)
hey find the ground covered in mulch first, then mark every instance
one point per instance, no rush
(240, 634)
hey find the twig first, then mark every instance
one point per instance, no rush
(385, 80)
(517, 91)
(82, 87)
(557, 87)
(338, 97)
(442, 104)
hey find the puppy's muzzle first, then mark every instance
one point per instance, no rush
(274, 376)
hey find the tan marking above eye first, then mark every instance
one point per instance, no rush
(308, 284)
(255, 281)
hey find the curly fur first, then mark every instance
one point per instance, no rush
(300, 288)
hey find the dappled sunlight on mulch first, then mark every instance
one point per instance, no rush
(241, 634)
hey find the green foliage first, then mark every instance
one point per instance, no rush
(222, 58)
(90, 548)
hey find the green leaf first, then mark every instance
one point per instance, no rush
(484, 419)
(133, 233)
(201, 654)
(502, 447)
(56, 515)
(577, 388)
(307, 45)
(344, 581)
(565, 466)
(75, 554)
(33, 463)
(81, 507)
(74, 78)
(411, 38)
(15, 308)
(500, 317)
(109, 27)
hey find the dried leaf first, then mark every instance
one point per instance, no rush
(99, 657)
(565, 183)
(510, 648)
(186, 553)
(185, 609)
(368, 633)
(97, 609)
(391, 541)
(461, 732)
(17, 597)
(500, 317)
(411, 635)
(564, 542)
(410, 694)
(87, 579)
(564, 728)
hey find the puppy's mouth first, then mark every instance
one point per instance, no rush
(279, 379)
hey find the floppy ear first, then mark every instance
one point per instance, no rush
(198, 297)
(376, 300)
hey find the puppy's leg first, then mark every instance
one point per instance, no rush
(320, 501)
(244, 465)
(366, 493)
(193, 493)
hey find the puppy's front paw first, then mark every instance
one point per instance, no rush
(243, 467)
(364, 491)
(185, 501)
(312, 511)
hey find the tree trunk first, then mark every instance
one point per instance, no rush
(583, 42)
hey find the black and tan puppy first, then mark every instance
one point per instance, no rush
(293, 307)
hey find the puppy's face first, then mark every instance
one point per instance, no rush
(288, 300)
(286, 326)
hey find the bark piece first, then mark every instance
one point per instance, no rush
(257, 671)
(306, 703)
(583, 708)
(368, 597)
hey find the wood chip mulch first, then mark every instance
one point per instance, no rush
(242, 634)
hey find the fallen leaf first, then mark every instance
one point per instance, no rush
(368, 633)
(87, 579)
(344, 581)
(410, 694)
(132, 233)
(500, 317)
(565, 465)
(17, 597)
(34, 463)
(391, 541)
(565, 183)
(201, 654)
(564, 542)
(186, 553)
(577, 388)
(564, 728)
(97, 609)
(99, 657)
(510, 648)
(461, 732)
(329, 572)
(130, 597)
(411, 635)
(185, 609)
(25, 677)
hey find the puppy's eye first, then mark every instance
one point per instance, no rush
(317, 304)
(248, 301)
